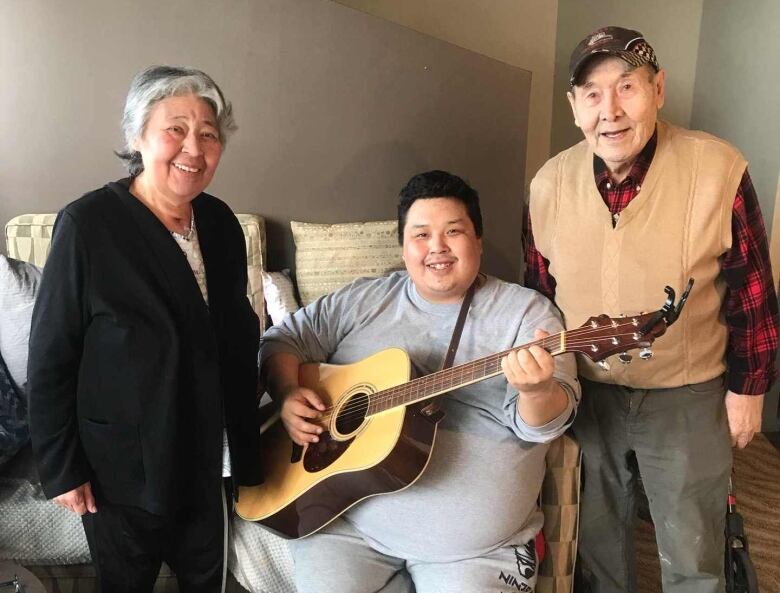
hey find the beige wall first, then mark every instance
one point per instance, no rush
(737, 86)
(736, 98)
(518, 32)
(671, 27)
(774, 246)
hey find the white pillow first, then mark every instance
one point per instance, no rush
(19, 283)
(279, 295)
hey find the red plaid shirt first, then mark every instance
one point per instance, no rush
(751, 303)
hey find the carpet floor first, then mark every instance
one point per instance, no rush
(757, 487)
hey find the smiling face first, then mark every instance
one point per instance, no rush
(617, 111)
(180, 148)
(441, 249)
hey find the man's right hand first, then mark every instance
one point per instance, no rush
(299, 406)
(79, 500)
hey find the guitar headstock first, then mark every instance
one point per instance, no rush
(603, 336)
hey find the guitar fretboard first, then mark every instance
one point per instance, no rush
(598, 338)
(453, 377)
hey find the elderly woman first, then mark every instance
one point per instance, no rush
(143, 348)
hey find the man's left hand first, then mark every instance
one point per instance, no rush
(744, 415)
(530, 370)
(540, 398)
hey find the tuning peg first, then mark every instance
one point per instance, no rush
(625, 357)
(604, 365)
(645, 354)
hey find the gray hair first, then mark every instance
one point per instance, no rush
(156, 83)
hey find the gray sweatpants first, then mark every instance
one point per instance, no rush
(678, 441)
(338, 560)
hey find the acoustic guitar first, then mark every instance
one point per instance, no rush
(379, 430)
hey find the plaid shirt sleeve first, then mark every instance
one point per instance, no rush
(537, 267)
(751, 302)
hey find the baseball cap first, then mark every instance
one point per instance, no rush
(627, 44)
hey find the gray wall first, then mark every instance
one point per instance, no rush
(737, 97)
(518, 32)
(737, 94)
(336, 108)
(671, 27)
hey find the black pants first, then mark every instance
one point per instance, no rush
(128, 546)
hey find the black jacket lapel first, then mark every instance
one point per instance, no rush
(165, 259)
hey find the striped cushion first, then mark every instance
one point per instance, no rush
(328, 256)
(254, 238)
(27, 237)
(560, 505)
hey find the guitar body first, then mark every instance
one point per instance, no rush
(377, 437)
(356, 457)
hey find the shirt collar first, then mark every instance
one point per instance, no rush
(638, 170)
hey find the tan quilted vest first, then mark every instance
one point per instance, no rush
(675, 228)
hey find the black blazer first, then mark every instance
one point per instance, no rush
(132, 377)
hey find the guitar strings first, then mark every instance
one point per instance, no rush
(359, 406)
(426, 382)
(440, 381)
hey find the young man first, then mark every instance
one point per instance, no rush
(469, 522)
(637, 205)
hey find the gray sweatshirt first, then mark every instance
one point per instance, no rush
(481, 485)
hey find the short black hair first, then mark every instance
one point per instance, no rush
(438, 184)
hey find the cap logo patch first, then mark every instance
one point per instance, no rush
(598, 37)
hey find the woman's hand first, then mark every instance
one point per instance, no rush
(79, 500)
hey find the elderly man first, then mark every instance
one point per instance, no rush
(469, 522)
(637, 205)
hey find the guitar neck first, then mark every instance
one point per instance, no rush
(598, 338)
(455, 377)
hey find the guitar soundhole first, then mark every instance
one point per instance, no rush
(352, 414)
